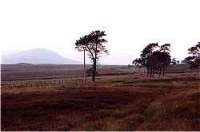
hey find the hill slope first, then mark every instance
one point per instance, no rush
(37, 56)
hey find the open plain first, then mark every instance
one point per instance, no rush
(57, 99)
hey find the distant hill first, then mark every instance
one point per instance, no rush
(37, 56)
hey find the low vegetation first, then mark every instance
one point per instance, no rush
(123, 102)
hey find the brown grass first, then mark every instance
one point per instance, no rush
(124, 102)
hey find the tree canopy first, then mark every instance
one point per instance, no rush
(93, 43)
(154, 57)
(194, 56)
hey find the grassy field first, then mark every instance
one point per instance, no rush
(114, 102)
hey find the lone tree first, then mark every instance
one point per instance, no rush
(194, 56)
(93, 43)
(154, 58)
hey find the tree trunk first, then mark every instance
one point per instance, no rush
(163, 72)
(94, 71)
(160, 70)
(151, 73)
(148, 71)
(84, 74)
(94, 63)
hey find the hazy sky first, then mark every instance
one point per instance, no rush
(129, 24)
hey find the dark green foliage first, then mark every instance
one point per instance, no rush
(154, 57)
(93, 43)
(194, 56)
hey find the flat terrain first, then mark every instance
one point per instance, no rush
(114, 102)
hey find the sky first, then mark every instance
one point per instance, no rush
(129, 24)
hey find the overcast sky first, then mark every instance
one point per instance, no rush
(129, 24)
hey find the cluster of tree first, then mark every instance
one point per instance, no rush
(93, 43)
(194, 56)
(155, 58)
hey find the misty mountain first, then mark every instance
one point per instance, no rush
(37, 56)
